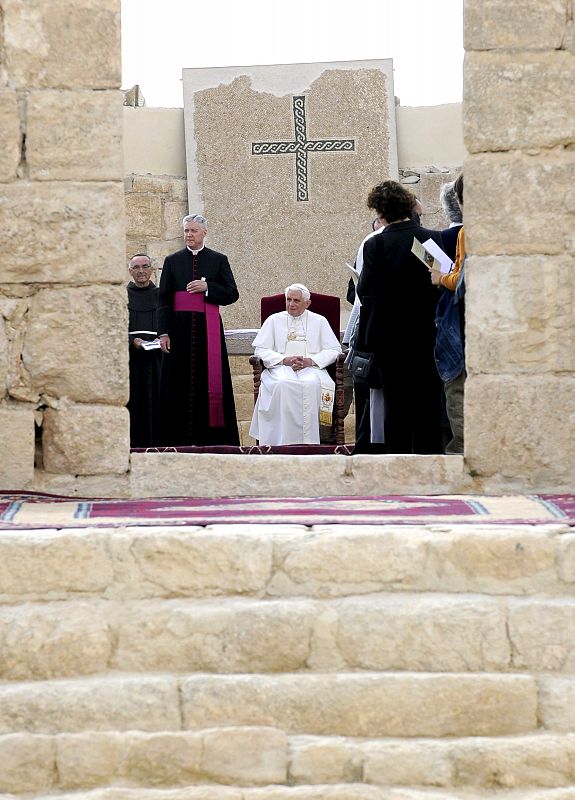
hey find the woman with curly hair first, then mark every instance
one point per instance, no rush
(397, 325)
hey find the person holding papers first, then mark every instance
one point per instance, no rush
(397, 325)
(144, 353)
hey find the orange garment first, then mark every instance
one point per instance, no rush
(450, 280)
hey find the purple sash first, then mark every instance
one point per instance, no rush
(188, 301)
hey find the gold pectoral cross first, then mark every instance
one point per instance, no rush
(292, 336)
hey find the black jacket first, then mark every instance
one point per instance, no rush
(177, 273)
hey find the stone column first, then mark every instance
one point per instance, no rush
(63, 320)
(519, 112)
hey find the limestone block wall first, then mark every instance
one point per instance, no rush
(430, 135)
(255, 662)
(155, 206)
(63, 366)
(156, 186)
(426, 183)
(519, 128)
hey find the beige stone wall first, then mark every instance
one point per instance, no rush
(426, 182)
(63, 370)
(154, 138)
(154, 141)
(430, 149)
(155, 206)
(520, 221)
(429, 135)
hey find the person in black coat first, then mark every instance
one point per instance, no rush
(144, 364)
(196, 395)
(397, 324)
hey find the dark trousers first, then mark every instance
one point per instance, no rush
(413, 412)
(454, 395)
(363, 443)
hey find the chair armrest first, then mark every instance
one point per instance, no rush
(257, 366)
(339, 403)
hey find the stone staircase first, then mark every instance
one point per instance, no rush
(247, 662)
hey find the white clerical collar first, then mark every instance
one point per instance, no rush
(195, 252)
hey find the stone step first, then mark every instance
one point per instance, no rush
(218, 475)
(364, 704)
(284, 561)
(543, 759)
(257, 662)
(389, 632)
(346, 704)
(243, 756)
(257, 756)
(147, 703)
(353, 791)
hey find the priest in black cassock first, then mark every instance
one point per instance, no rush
(196, 396)
(144, 364)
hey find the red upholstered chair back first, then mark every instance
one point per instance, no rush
(325, 304)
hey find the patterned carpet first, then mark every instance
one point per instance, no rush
(257, 450)
(20, 511)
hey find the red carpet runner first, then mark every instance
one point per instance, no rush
(33, 511)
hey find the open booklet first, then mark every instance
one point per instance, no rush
(432, 255)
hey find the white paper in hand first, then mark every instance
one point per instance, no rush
(154, 345)
(354, 272)
(445, 263)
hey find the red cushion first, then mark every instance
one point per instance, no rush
(325, 304)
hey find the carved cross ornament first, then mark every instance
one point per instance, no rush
(300, 146)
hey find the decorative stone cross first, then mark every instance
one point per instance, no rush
(301, 146)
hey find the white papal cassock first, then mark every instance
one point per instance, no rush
(288, 404)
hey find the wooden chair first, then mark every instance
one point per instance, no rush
(328, 306)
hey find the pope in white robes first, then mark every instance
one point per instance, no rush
(295, 346)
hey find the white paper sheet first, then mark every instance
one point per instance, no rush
(445, 263)
(354, 272)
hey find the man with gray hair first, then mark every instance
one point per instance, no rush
(296, 391)
(452, 210)
(196, 397)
